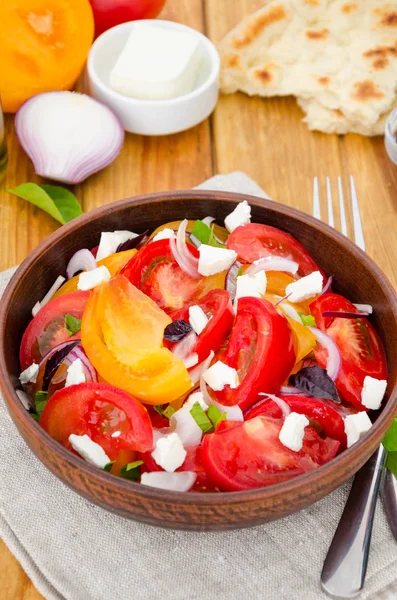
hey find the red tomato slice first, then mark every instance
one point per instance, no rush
(98, 410)
(250, 455)
(108, 13)
(260, 349)
(254, 241)
(360, 347)
(218, 308)
(48, 329)
(155, 271)
(330, 421)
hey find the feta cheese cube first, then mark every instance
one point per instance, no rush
(169, 452)
(220, 375)
(293, 430)
(157, 63)
(111, 240)
(90, 279)
(92, 452)
(355, 426)
(186, 427)
(214, 260)
(364, 308)
(164, 234)
(305, 288)
(254, 286)
(75, 373)
(240, 216)
(197, 319)
(29, 375)
(176, 482)
(373, 392)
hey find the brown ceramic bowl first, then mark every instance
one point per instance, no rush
(356, 276)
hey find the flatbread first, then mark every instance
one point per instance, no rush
(339, 54)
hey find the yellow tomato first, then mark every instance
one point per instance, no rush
(122, 334)
(303, 340)
(114, 263)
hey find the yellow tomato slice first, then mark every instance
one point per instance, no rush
(114, 263)
(303, 340)
(221, 233)
(277, 282)
(122, 333)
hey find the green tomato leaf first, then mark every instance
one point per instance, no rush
(55, 200)
(392, 462)
(390, 439)
(205, 234)
(72, 324)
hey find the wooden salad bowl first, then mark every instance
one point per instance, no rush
(356, 276)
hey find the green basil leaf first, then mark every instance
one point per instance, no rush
(307, 319)
(390, 439)
(35, 417)
(392, 462)
(72, 324)
(55, 200)
(165, 412)
(215, 415)
(168, 412)
(108, 466)
(240, 272)
(201, 418)
(132, 471)
(40, 400)
(205, 234)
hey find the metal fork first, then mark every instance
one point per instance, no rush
(345, 565)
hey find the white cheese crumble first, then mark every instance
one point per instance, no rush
(75, 373)
(240, 216)
(177, 482)
(197, 319)
(164, 234)
(373, 392)
(111, 240)
(220, 375)
(355, 426)
(90, 279)
(196, 397)
(29, 375)
(169, 452)
(92, 452)
(254, 286)
(214, 260)
(184, 424)
(305, 288)
(293, 430)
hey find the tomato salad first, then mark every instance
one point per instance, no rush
(201, 357)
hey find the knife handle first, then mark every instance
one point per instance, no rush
(389, 497)
(344, 569)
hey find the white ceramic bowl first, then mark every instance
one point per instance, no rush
(390, 136)
(153, 117)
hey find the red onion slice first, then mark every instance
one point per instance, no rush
(82, 260)
(185, 347)
(273, 263)
(184, 265)
(283, 406)
(54, 288)
(25, 399)
(339, 314)
(231, 279)
(84, 140)
(182, 246)
(196, 373)
(334, 358)
(208, 220)
(327, 286)
(290, 390)
(89, 371)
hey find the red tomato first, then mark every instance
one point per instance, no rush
(108, 13)
(330, 421)
(254, 241)
(98, 410)
(260, 349)
(48, 329)
(360, 347)
(218, 308)
(250, 455)
(157, 420)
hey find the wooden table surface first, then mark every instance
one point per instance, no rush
(264, 138)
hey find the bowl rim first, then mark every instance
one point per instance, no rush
(103, 40)
(294, 485)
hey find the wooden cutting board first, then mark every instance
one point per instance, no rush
(263, 137)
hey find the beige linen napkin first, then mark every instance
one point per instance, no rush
(74, 550)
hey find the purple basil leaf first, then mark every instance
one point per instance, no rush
(53, 363)
(133, 242)
(315, 381)
(177, 330)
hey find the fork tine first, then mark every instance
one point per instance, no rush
(343, 223)
(316, 200)
(357, 225)
(329, 203)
